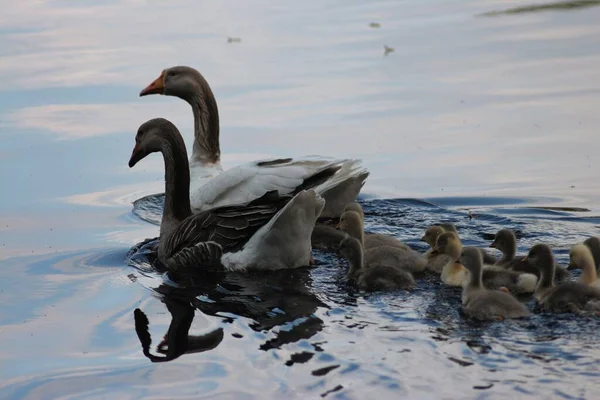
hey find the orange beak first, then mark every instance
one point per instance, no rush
(156, 87)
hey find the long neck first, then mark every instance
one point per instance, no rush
(588, 270)
(546, 278)
(356, 261)
(475, 280)
(509, 251)
(206, 150)
(177, 183)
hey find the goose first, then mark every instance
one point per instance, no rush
(493, 277)
(353, 220)
(394, 256)
(567, 297)
(212, 187)
(593, 243)
(436, 261)
(434, 231)
(506, 242)
(485, 304)
(580, 257)
(378, 274)
(271, 232)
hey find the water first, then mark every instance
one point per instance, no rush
(492, 114)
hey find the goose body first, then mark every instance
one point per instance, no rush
(482, 303)
(373, 275)
(212, 187)
(567, 297)
(271, 232)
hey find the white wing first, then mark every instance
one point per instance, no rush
(246, 182)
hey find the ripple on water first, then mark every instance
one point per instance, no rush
(293, 333)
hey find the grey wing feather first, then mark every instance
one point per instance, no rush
(201, 254)
(230, 227)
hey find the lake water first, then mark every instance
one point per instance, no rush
(493, 113)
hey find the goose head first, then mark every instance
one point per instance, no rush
(179, 81)
(505, 241)
(448, 227)
(448, 243)
(153, 136)
(351, 223)
(350, 247)
(431, 235)
(540, 256)
(580, 257)
(354, 206)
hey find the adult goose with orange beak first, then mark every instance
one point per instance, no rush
(212, 187)
(270, 232)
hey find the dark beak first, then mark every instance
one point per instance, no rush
(338, 227)
(422, 239)
(156, 87)
(493, 245)
(571, 266)
(136, 155)
(434, 251)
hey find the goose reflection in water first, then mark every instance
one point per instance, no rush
(274, 299)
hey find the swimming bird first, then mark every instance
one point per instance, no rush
(271, 232)
(369, 240)
(506, 241)
(485, 304)
(393, 256)
(212, 187)
(378, 274)
(493, 277)
(567, 297)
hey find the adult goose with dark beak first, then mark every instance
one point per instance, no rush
(270, 232)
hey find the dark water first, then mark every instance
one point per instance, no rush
(300, 333)
(485, 106)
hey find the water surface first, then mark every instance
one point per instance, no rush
(496, 114)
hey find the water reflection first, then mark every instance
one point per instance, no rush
(274, 300)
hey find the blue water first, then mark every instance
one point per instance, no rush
(496, 115)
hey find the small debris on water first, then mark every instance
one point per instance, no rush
(387, 50)
(375, 25)
(233, 39)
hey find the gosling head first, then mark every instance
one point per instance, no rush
(504, 240)
(350, 221)
(180, 81)
(431, 235)
(153, 136)
(357, 208)
(580, 256)
(448, 243)
(540, 256)
(448, 227)
(349, 246)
